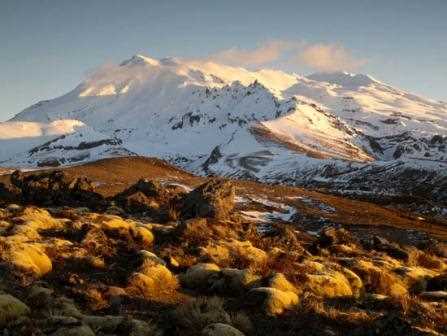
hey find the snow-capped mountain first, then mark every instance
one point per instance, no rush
(212, 118)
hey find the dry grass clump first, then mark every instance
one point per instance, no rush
(419, 258)
(242, 322)
(351, 316)
(380, 281)
(193, 316)
(173, 213)
(11, 308)
(196, 314)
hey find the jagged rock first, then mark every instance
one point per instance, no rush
(214, 198)
(56, 188)
(147, 196)
(220, 329)
(11, 309)
(274, 301)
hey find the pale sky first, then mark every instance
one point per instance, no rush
(48, 46)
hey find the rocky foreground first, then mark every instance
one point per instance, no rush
(211, 257)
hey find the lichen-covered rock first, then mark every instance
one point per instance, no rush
(11, 309)
(221, 329)
(214, 198)
(274, 301)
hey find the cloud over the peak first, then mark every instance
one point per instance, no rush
(291, 55)
(328, 57)
(262, 55)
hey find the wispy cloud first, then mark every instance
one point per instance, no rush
(328, 57)
(291, 54)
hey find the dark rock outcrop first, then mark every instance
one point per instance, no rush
(150, 197)
(214, 198)
(56, 188)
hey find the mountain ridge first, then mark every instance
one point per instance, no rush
(263, 123)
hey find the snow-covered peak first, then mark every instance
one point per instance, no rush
(183, 109)
(344, 79)
(138, 60)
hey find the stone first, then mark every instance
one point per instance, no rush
(220, 329)
(214, 198)
(198, 276)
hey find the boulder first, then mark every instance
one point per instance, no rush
(146, 196)
(199, 275)
(214, 198)
(220, 329)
